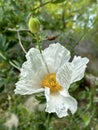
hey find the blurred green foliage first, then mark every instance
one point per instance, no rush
(69, 19)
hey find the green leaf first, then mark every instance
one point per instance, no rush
(86, 118)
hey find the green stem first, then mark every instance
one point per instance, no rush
(83, 36)
(39, 47)
(47, 121)
(42, 5)
(38, 42)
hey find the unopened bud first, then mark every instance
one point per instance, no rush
(34, 25)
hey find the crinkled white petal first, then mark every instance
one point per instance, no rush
(24, 87)
(32, 73)
(59, 103)
(78, 67)
(55, 56)
(64, 75)
(71, 102)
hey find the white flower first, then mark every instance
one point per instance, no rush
(52, 73)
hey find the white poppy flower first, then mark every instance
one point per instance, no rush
(52, 73)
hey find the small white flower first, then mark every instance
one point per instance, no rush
(52, 73)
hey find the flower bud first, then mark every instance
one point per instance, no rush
(34, 25)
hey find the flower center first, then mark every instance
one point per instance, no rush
(50, 81)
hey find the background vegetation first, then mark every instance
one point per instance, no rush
(74, 23)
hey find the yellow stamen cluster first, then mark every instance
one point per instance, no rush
(50, 81)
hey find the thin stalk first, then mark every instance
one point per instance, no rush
(39, 47)
(45, 64)
(20, 30)
(38, 42)
(41, 5)
(47, 121)
(84, 35)
(20, 42)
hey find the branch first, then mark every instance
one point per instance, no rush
(22, 30)
(15, 30)
(41, 5)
